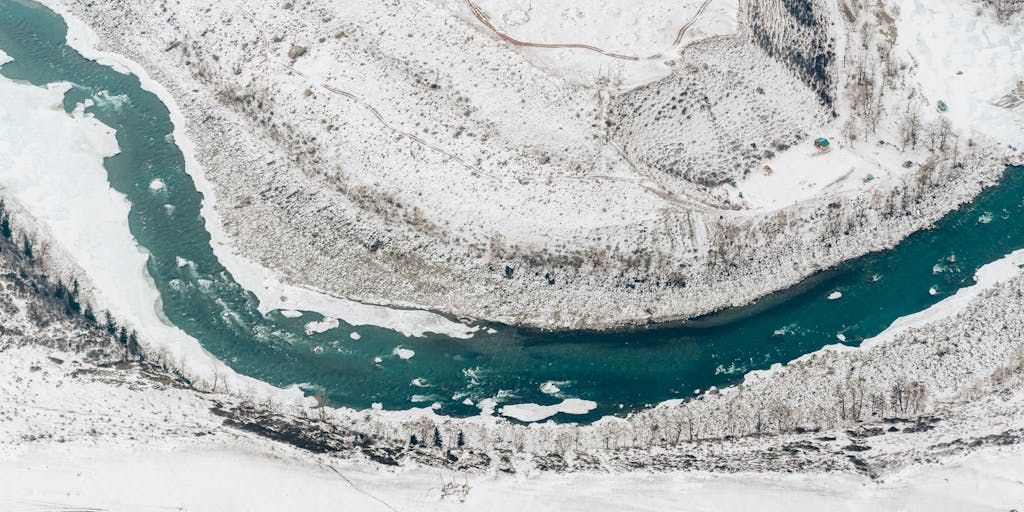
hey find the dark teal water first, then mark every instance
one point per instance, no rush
(633, 369)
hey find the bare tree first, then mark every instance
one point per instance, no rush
(910, 127)
(321, 403)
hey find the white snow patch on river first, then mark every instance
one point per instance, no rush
(322, 326)
(403, 353)
(534, 412)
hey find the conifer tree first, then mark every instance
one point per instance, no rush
(5, 226)
(111, 326)
(133, 344)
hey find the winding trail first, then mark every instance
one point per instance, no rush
(485, 19)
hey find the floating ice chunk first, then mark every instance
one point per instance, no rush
(291, 313)
(467, 402)
(419, 382)
(503, 395)
(403, 353)
(841, 337)
(534, 412)
(157, 185)
(932, 291)
(378, 360)
(985, 218)
(377, 406)
(322, 326)
(834, 295)
(549, 388)
(181, 261)
(487, 406)
(355, 335)
(115, 101)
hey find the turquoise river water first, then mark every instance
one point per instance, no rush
(620, 371)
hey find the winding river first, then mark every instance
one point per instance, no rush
(619, 371)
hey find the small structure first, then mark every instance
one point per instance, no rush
(822, 144)
(941, 106)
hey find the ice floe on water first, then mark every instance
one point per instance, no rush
(552, 387)
(322, 326)
(403, 353)
(291, 313)
(157, 185)
(419, 382)
(835, 295)
(732, 369)
(116, 101)
(788, 329)
(355, 335)
(535, 412)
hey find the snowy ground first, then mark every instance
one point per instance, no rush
(630, 42)
(967, 60)
(79, 437)
(239, 477)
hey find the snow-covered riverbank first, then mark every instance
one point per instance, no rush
(156, 447)
(272, 292)
(439, 252)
